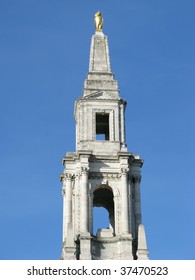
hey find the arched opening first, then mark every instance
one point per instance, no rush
(102, 126)
(104, 216)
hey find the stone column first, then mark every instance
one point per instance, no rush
(85, 237)
(122, 124)
(124, 203)
(137, 201)
(84, 201)
(64, 208)
(68, 204)
(112, 132)
(77, 203)
(68, 235)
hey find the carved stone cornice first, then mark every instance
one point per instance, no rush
(104, 159)
(104, 175)
(113, 239)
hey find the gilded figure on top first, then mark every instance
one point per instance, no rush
(98, 21)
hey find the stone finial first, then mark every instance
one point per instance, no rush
(98, 20)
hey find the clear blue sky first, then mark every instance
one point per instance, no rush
(44, 57)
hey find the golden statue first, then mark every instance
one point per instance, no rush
(98, 21)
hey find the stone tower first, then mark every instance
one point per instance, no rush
(101, 173)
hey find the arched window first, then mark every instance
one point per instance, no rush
(103, 199)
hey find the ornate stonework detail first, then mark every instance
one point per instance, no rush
(84, 170)
(104, 175)
(62, 177)
(68, 176)
(136, 179)
(106, 160)
(124, 171)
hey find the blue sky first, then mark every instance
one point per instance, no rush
(44, 57)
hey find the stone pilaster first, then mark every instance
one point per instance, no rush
(84, 199)
(124, 202)
(85, 237)
(122, 124)
(137, 201)
(68, 202)
(62, 178)
(68, 251)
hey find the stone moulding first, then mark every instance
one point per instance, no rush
(113, 239)
(104, 175)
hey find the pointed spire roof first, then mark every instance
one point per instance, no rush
(99, 54)
(100, 77)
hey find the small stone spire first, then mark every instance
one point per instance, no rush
(100, 77)
(99, 52)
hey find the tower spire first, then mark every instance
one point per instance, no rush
(101, 172)
(100, 77)
(99, 51)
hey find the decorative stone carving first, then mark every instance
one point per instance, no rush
(62, 177)
(136, 179)
(84, 170)
(104, 175)
(68, 176)
(124, 171)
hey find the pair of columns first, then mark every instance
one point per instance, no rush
(125, 201)
(84, 227)
(67, 196)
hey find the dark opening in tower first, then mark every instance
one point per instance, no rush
(103, 197)
(102, 126)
